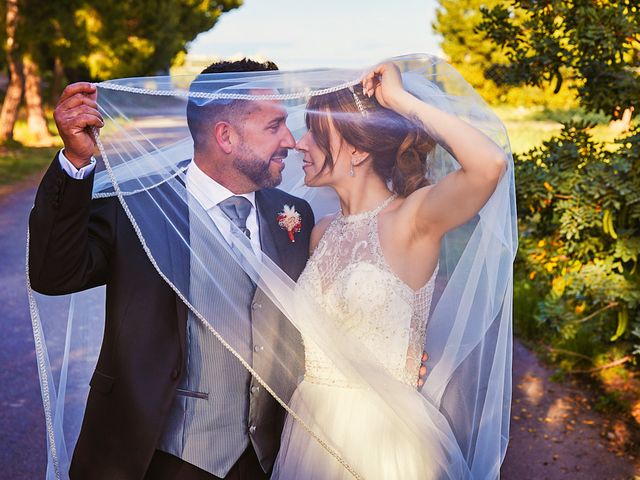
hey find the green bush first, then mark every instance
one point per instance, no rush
(577, 282)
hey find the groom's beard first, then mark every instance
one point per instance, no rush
(264, 173)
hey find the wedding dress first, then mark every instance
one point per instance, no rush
(352, 281)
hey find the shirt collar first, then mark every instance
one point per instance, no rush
(207, 191)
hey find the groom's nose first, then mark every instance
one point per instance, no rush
(288, 141)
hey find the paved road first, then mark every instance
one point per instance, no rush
(22, 435)
(549, 449)
(555, 434)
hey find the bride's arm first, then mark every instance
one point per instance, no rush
(461, 194)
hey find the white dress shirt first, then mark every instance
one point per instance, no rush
(72, 171)
(204, 189)
(210, 193)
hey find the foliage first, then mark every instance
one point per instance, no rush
(578, 197)
(91, 40)
(596, 44)
(473, 56)
(579, 213)
(113, 38)
(140, 38)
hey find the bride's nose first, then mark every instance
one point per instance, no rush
(301, 146)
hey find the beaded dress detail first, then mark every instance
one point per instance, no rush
(351, 280)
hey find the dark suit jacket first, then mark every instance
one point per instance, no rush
(78, 243)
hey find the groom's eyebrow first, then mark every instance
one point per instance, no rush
(278, 120)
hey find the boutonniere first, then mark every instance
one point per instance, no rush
(290, 220)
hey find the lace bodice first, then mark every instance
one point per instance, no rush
(350, 278)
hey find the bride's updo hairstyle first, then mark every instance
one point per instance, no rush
(398, 148)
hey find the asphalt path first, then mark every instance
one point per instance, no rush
(22, 432)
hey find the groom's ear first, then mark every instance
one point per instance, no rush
(223, 135)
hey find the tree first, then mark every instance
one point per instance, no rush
(579, 213)
(14, 90)
(598, 43)
(93, 40)
(466, 48)
(139, 38)
(578, 200)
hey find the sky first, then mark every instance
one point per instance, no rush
(299, 34)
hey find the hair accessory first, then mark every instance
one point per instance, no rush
(356, 99)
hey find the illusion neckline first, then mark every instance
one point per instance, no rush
(354, 217)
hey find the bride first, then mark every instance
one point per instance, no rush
(374, 267)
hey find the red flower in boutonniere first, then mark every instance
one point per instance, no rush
(290, 220)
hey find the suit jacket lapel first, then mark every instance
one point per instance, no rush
(178, 253)
(270, 231)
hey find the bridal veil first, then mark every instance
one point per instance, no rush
(144, 151)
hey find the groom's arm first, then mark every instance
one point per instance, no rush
(70, 236)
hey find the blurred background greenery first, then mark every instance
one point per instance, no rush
(563, 76)
(49, 43)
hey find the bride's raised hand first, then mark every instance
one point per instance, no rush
(385, 82)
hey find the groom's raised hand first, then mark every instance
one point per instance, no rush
(74, 114)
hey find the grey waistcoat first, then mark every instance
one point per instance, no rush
(219, 408)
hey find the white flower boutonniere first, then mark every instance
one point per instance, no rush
(290, 220)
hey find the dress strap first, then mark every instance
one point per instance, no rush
(368, 214)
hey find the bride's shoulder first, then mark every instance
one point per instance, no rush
(402, 219)
(416, 198)
(408, 207)
(319, 229)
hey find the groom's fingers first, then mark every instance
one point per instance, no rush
(73, 122)
(421, 375)
(76, 110)
(76, 101)
(423, 369)
(84, 88)
(76, 94)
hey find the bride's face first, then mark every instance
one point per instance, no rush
(317, 170)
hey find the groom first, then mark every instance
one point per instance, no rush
(167, 401)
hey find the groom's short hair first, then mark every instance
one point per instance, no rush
(202, 112)
(239, 66)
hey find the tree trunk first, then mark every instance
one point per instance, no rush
(33, 96)
(14, 90)
(58, 78)
(58, 69)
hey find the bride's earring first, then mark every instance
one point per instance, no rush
(352, 173)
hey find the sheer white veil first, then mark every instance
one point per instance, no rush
(144, 153)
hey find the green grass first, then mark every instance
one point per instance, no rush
(528, 127)
(18, 162)
(525, 126)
